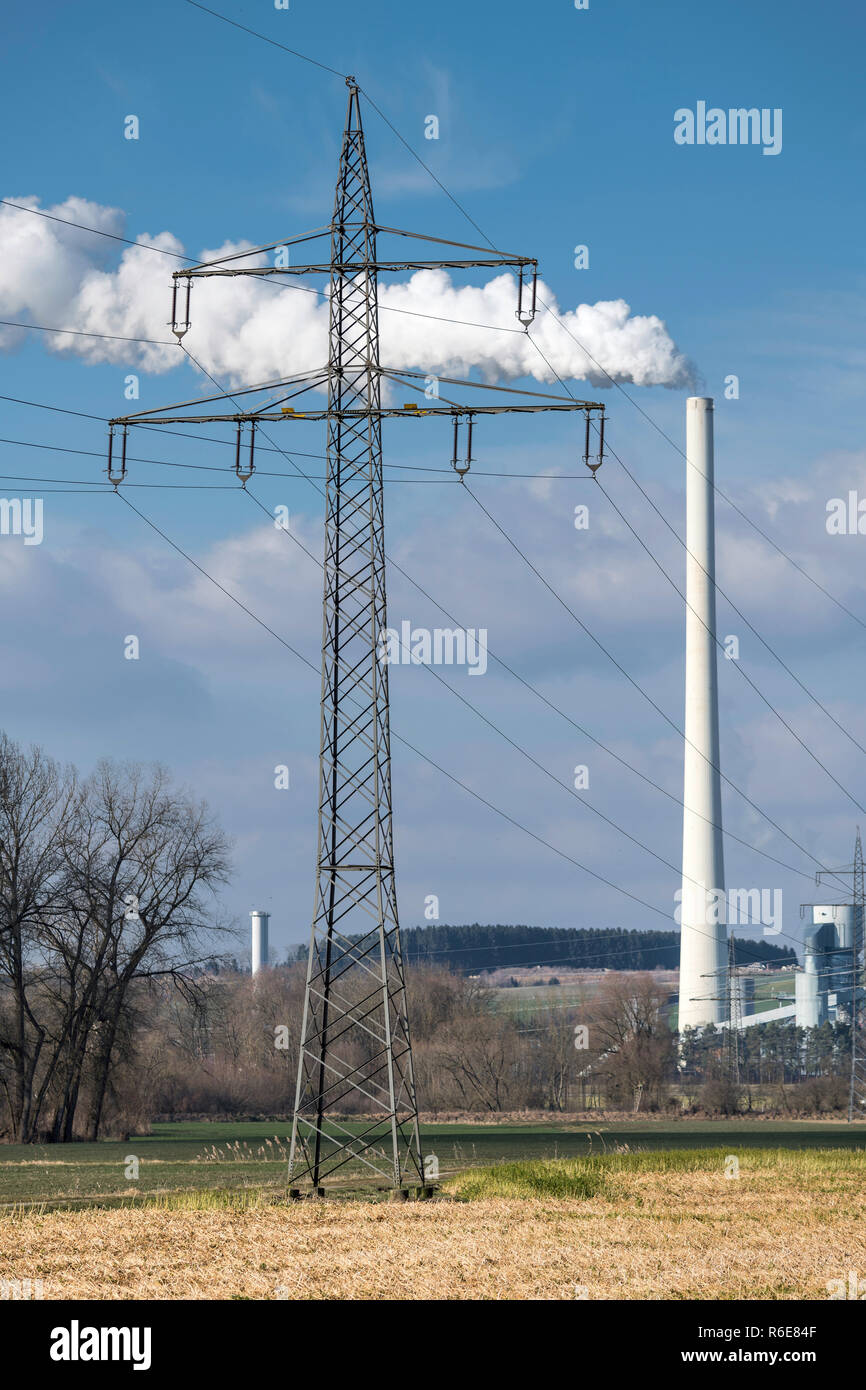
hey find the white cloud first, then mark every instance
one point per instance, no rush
(246, 330)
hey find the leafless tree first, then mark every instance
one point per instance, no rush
(103, 886)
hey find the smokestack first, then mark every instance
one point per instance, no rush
(703, 938)
(260, 940)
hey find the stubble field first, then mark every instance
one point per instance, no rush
(774, 1224)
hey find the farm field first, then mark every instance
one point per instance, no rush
(652, 1225)
(184, 1156)
(574, 988)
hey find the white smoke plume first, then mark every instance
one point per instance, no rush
(247, 330)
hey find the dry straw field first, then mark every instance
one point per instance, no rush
(635, 1226)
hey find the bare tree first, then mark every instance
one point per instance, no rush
(633, 1037)
(35, 796)
(103, 885)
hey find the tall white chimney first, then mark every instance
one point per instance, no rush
(703, 940)
(259, 940)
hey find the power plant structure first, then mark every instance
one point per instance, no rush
(259, 941)
(703, 935)
(830, 987)
(826, 988)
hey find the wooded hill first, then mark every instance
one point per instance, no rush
(473, 949)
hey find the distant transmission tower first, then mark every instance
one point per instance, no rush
(355, 1050)
(857, 1090)
(734, 1013)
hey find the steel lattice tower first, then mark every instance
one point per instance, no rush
(355, 1043)
(734, 992)
(857, 1090)
(355, 1032)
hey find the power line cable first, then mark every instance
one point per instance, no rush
(444, 771)
(742, 671)
(719, 590)
(289, 459)
(406, 742)
(326, 67)
(79, 333)
(745, 675)
(644, 693)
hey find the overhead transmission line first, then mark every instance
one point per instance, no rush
(469, 705)
(425, 757)
(563, 325)
(406, 742)
(745, 675)
(465, 213)
(447, 474)
(610, 656)
(719, 590)
(727, 599)
(96, 231)
(448, 194)
(751, 803)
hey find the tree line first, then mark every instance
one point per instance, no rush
(114, 1007)
(477, 948)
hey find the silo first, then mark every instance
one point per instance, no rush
(810, 989)
(259, 944)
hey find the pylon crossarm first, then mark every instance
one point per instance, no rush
(319, 374)
(507, 258)
(356, 413)
(253, 251)
(399, 373)
(352, 266)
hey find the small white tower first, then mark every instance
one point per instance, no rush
(259, 949)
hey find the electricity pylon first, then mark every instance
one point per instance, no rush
(355, 1048)
(734, 1011)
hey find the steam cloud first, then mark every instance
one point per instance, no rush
(246, 330)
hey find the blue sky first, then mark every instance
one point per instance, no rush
(556, 129)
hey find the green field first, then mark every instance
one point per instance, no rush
(574, 989)
(198, 1155)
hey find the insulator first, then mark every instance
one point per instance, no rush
(245, 473)
(527, 314)
(595, 464)
(180, 326)
(461, 469)
(113, 477)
